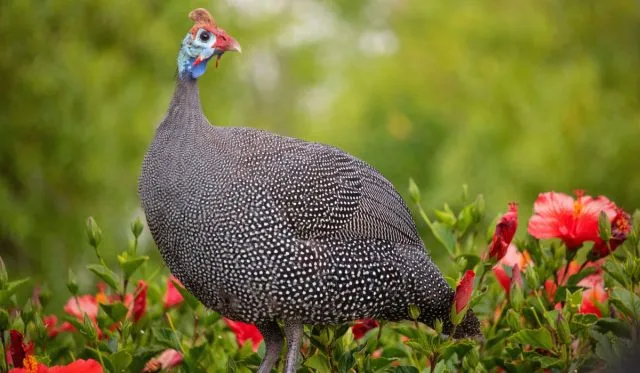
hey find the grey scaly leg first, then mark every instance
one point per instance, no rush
(273, 342)
(293, 331)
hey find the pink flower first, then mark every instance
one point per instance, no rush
(172, 297)
(245, 332)
(505, 230)
(594, 293)
(557, 215)
(51, 323)
(512, 259)
(167, 359)
(463, 291)
(361, 327)
(140, 301)
(89, 304)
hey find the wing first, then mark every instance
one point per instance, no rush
(323, 191)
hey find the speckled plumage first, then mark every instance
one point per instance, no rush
(262, 227)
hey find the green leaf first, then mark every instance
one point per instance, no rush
(191, 300)
(11, 288)
(394, 353)
(380, 363)
(580, 321)
(537, 338)
(626, 301)
(471, 261)
(460, 348)
(130, 263)
(447, 217)
(573, 280)
(166, 337)
(445, 236)
(440, 367)
(548, 361)
(346, 362)
(105, 274)
(116, 311)
(604, 348)
(120, 361)
(319, 362)
(614, 272)
(616, 326)
(406, 369)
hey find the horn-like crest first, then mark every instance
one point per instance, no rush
(202, 17)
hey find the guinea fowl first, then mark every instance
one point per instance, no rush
(265, 228)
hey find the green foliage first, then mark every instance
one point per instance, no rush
(509, 99)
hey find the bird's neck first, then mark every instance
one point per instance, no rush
(186, 95)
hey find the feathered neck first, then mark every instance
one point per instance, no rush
(186, 95)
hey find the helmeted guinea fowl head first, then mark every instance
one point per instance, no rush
(204, 41)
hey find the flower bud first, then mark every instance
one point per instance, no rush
(72, 284)
(562, 328)
(516, 296)
(137, 227)
(513, 320)
(4, 319)
(88, 328)
(4, 276)
(438, 326)
(531, 278)
(94, 234)
(27, 312)
(604, 226)
(414, 312)
(414, 191)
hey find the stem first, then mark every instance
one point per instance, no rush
(537, 318)
(583, 265)
(173, 329)
(125, 282)
(4, 353)
(95, 343)
(564, 275)
(195, 329)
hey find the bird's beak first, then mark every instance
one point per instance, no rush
(234, 46)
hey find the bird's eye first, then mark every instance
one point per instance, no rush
(205, 37)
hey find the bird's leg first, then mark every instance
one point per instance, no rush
(293, 331)
(274, 341)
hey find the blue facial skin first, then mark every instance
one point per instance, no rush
(190, 49)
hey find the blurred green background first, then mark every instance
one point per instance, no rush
(510, 97)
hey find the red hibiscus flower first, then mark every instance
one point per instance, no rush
(361, 327)
(557, 215)
(463, 291)
(245, 332)
(140, 301)
(172, 297)
(51, 323)
(89, 304)
(620, 229)
(513, 258)
(505, 230)
(18, 350)
(167, 359)
(594, 293)
(78, 366)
